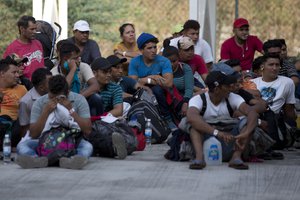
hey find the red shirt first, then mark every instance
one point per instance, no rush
(33, 51)
(197, 64)
(231, 50)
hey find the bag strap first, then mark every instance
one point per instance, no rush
(204, 105)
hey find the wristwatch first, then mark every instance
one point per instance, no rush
(71, 111)
(259, 122)
(149, 80)
(216, 132)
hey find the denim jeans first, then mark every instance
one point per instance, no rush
(96, 104)
(161, 99)
(28, 147)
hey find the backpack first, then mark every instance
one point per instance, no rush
(142, 110)
(58, 142)
(204, 105)
(101, 137)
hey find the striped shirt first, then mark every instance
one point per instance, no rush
(111, 96)
(184, 81)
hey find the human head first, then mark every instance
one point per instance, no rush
(186, 49)
(219, 83)
(235, 64)
(241, 29)
(172, 54)
(270, 66)
(127, 33)
(27, 27)
(191, 29)
(256, 65)
(20, 62)
(68, 50)
(283, 49)
(9, 73)
(116, 67)
(102, 70)
(81, 31)
(40, 78)
(147, 43)
(57, 86)
(272, 47)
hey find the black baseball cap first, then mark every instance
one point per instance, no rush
(114, 60)
(100, 63)
(216, 78)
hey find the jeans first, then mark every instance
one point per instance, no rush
(96, 104)
(28, 147)
(161, 99)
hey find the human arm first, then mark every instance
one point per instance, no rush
(289, 111)
(92, 88)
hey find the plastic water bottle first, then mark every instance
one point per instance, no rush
(148, 132)
(6, 149)
(212, 149)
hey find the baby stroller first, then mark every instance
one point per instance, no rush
(47, 35)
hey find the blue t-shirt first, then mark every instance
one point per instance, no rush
(160, 66)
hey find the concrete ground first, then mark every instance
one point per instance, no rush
(147, 175)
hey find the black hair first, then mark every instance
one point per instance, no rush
(123, 26)
(39, 76)
(4, 63)
(58, 84)
(257, 62)
(191, 24)
(282, 41)
(267, 56)
(66, 48)
(233, 62)
(24, 21)
(270, 44)
(154, 40)
(170, 51)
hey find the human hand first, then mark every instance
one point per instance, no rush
(226, 137)
(240, 141)
(63, 100)
(50, 106)
(184, 108)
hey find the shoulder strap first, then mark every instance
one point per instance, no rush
(204, 104)
(229, 107)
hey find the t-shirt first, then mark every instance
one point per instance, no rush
(90, 51)
(79, 103)
(120, 46)
(11, 101)
(85, 73)
(111, 95)
(202, 48)
(288, 69)
(245, 54)
(33, 51)
(25, 106)
(160, 66)
(276, 93)
(213, 111)
(184, 81)
(198, 65)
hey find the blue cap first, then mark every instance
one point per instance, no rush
(143, 38)
(226, 69)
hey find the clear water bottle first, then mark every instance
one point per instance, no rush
(148, 132)
(6, 149)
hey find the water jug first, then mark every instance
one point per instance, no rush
(212, 150)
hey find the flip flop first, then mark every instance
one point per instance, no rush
(238, 164)
(197, 164)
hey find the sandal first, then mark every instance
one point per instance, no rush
(238, 164)
(197, 164)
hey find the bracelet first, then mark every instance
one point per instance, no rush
(124, 54)
(259, 122)
(216, 132)
(71, 111)
(149, 80)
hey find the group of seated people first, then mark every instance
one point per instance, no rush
(255, 89)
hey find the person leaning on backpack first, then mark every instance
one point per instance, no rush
(42, 109)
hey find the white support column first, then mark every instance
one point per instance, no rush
(63, 18)
(37, 9)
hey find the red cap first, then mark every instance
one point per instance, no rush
(239, 22)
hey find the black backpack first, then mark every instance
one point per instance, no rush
(142, 110)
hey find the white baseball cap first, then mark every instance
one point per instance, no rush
(81, 25)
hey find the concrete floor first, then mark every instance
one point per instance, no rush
(147, 175)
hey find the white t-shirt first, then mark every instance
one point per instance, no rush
(85, 73)
(202, 49)
(278, 92)
(213, 111)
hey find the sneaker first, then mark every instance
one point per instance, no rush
(119, 145)
(172, 125)
(74, 162)
(28, 162)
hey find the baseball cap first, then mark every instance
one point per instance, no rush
(239, 22)
(143, 38)
(81, 25)
(185, 42)
(216, 78)
(114, 60)
(177, 28)
(226, 69)
(100, 63)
